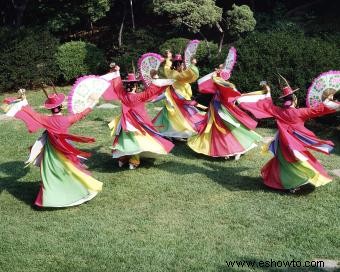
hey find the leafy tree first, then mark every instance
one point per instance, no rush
(96, 9)
(191, 14)
(63, 15)
(239, 19)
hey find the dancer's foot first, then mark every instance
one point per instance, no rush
(120, 164)
(293, 191)
(237, 157)
(227, 157)
(132, 166)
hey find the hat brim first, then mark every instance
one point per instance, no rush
(282, 96)
(59, 101)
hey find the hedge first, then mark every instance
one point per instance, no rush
(27, 57)
(77, 58)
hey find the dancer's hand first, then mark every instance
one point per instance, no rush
(168, 54)
(265, 86)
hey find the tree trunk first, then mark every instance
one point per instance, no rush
(132, 16)
(221, 39)
(120, 41)
(91, 26)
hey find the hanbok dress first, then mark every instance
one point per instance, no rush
(227, 131)
(133, 130)
(65, 180)
(179, 118)
(292, 165)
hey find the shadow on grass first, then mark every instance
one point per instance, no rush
(182, 150)
(24, 191)
(230, 178)
(103, 162)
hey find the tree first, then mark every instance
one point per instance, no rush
(64, 15)
(240, 19)
(191, 14)
(96, 9)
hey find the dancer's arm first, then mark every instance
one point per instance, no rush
(78, 116)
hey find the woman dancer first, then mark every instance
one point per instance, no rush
(227, 130)
(179, 117)
(65, 182)
(293, 165)
(134, 133)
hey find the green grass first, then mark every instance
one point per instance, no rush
(182, 212)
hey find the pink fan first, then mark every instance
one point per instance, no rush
(190, 51)
(79, 97)
(229, 63)
(326, 81)
(148, 65)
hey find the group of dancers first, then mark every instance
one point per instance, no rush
(223, 129)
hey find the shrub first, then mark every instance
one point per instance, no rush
(292, 54)
(78, 58)
(27, 57)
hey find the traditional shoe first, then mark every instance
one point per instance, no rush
(227, 157)
(120, 164)
(237, 157)
(132, 167)
(293, 191)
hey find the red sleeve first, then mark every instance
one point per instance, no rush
(76, 117)
(117, 86)
(318, 110)
(33, 120)
(260, 109)
(149, 93)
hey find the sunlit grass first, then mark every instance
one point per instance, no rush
(182, 212)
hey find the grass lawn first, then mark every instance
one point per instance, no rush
(182, 212)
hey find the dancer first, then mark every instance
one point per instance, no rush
(65, 182)
(227, 131)
(134, 133)
(179, 117)
(293, 165)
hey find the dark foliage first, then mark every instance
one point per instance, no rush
(27, 57)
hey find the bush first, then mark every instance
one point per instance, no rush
(79, 58)
(292, 54)
(27, 57)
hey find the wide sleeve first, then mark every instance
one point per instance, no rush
(78, 116)
(316, 111)
(226, 88)
(157, 87)
(116, 90)
(187, 76)
(21, 110)
(167, 69)
(110, 93)
(258, 103)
